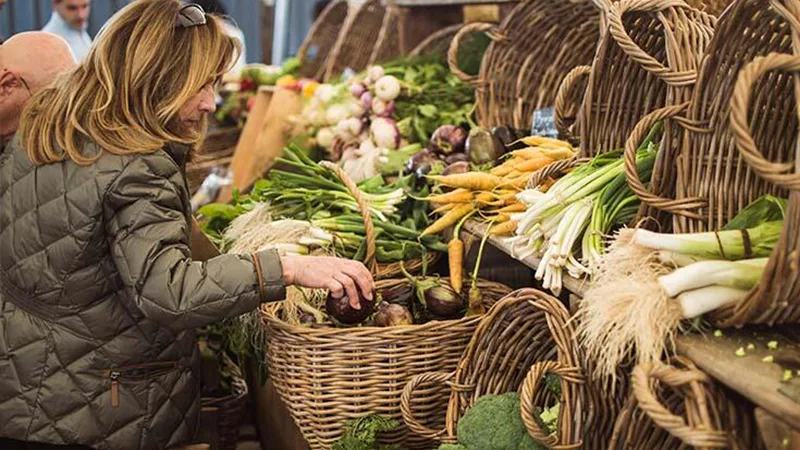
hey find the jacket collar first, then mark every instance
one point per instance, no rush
(178, 152)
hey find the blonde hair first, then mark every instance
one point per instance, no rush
(125, 97)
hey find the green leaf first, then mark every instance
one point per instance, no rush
(428, 111)
(767, 208)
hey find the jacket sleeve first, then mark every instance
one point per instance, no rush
(149, 239)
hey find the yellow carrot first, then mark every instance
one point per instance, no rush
(558, 153)
(456, 196)
(541, 140)
(518, 183)
(475, 181)
(504, 228)
(499, 218)
(513, 174)
(449, 218)
(444, 208)
(455, 258)
(495, 198)
(533, 165)
(505, 168)
(527, 153)
(512, 208)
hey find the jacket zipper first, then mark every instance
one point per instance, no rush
(115, 374)
(114, 388)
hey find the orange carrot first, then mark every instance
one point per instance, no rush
(475, 181)
(449, 218)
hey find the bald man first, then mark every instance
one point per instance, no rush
(28, 62)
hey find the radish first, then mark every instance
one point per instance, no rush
(374, 73)
(336, 114)
(350, 127)
(357, 89)
(387, 88)
(366, 99)
(325, 137)
(382, 108)
(385, 133)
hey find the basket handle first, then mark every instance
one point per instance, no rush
(683, 207)
(405, 403)
(686, 380)
(529, 389)
(618, 32)
(566, 87)
(785, 175)
(363, 206)
(452, 51)
(555, 169)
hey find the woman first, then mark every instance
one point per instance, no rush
(99, 293)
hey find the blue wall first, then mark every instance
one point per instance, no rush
(26, 15)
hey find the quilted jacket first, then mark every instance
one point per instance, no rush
(100, 296)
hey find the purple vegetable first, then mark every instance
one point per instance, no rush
(340, 309)
(448, 139)
(358, 90)
(392, 315)
(456, 157)
(366, 99)
(456, 167)
(421, 159)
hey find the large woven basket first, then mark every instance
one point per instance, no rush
(531, 50)
(744, 102)
(437, 43)
(388, 45)
(318, 44)
(360, 35)
(672, 407)
(216, 151)
(523, 337)
(328, 376)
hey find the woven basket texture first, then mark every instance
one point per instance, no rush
(678, 407)
(328, 376)
(531, 51)
(318, 44)
(739, 137)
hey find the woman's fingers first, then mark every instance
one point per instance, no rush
(349, 288)
(336, 288)
(358, 272)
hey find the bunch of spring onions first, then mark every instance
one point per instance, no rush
(576, 213)
(301, 190)
(648, 283)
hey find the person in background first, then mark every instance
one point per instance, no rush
(216, 7)
(99, 296)
(28, 62)
(69, 20)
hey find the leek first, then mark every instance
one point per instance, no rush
(744, 274)
(700, 301)
(729, 244)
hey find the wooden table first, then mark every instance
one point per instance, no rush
(758, 381)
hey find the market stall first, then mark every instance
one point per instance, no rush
(652, 222)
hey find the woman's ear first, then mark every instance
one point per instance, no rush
(8, 82)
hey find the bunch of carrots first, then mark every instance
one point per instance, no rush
(490, 195)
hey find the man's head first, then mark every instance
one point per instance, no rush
(28, 62)
(74, 12)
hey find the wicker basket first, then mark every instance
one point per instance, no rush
(524, 336)
(228, 410)
(388, 45)
(672, 407)
(531, 51)
(436, 43)
(318, 44)
(720, 169)
(328, 376)
(216, 151)
(359, 37)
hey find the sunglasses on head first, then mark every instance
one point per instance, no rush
(190, 15)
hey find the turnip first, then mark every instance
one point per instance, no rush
(366, 100)
(350, 127)
(325, 92)
(392, 315)
(387, 88)
(356, 108)
(336, 113)
(325, 137)
(382, 108)
(357, 89)
(384, 133)
(374, 73)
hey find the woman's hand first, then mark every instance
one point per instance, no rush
(337, 275)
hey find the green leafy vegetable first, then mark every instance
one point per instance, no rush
(764, 209)
(362, 434)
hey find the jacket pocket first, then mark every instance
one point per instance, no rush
(137, 374)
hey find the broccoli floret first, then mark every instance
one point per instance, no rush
(494, 423)
(362, 434)
(452, 447)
